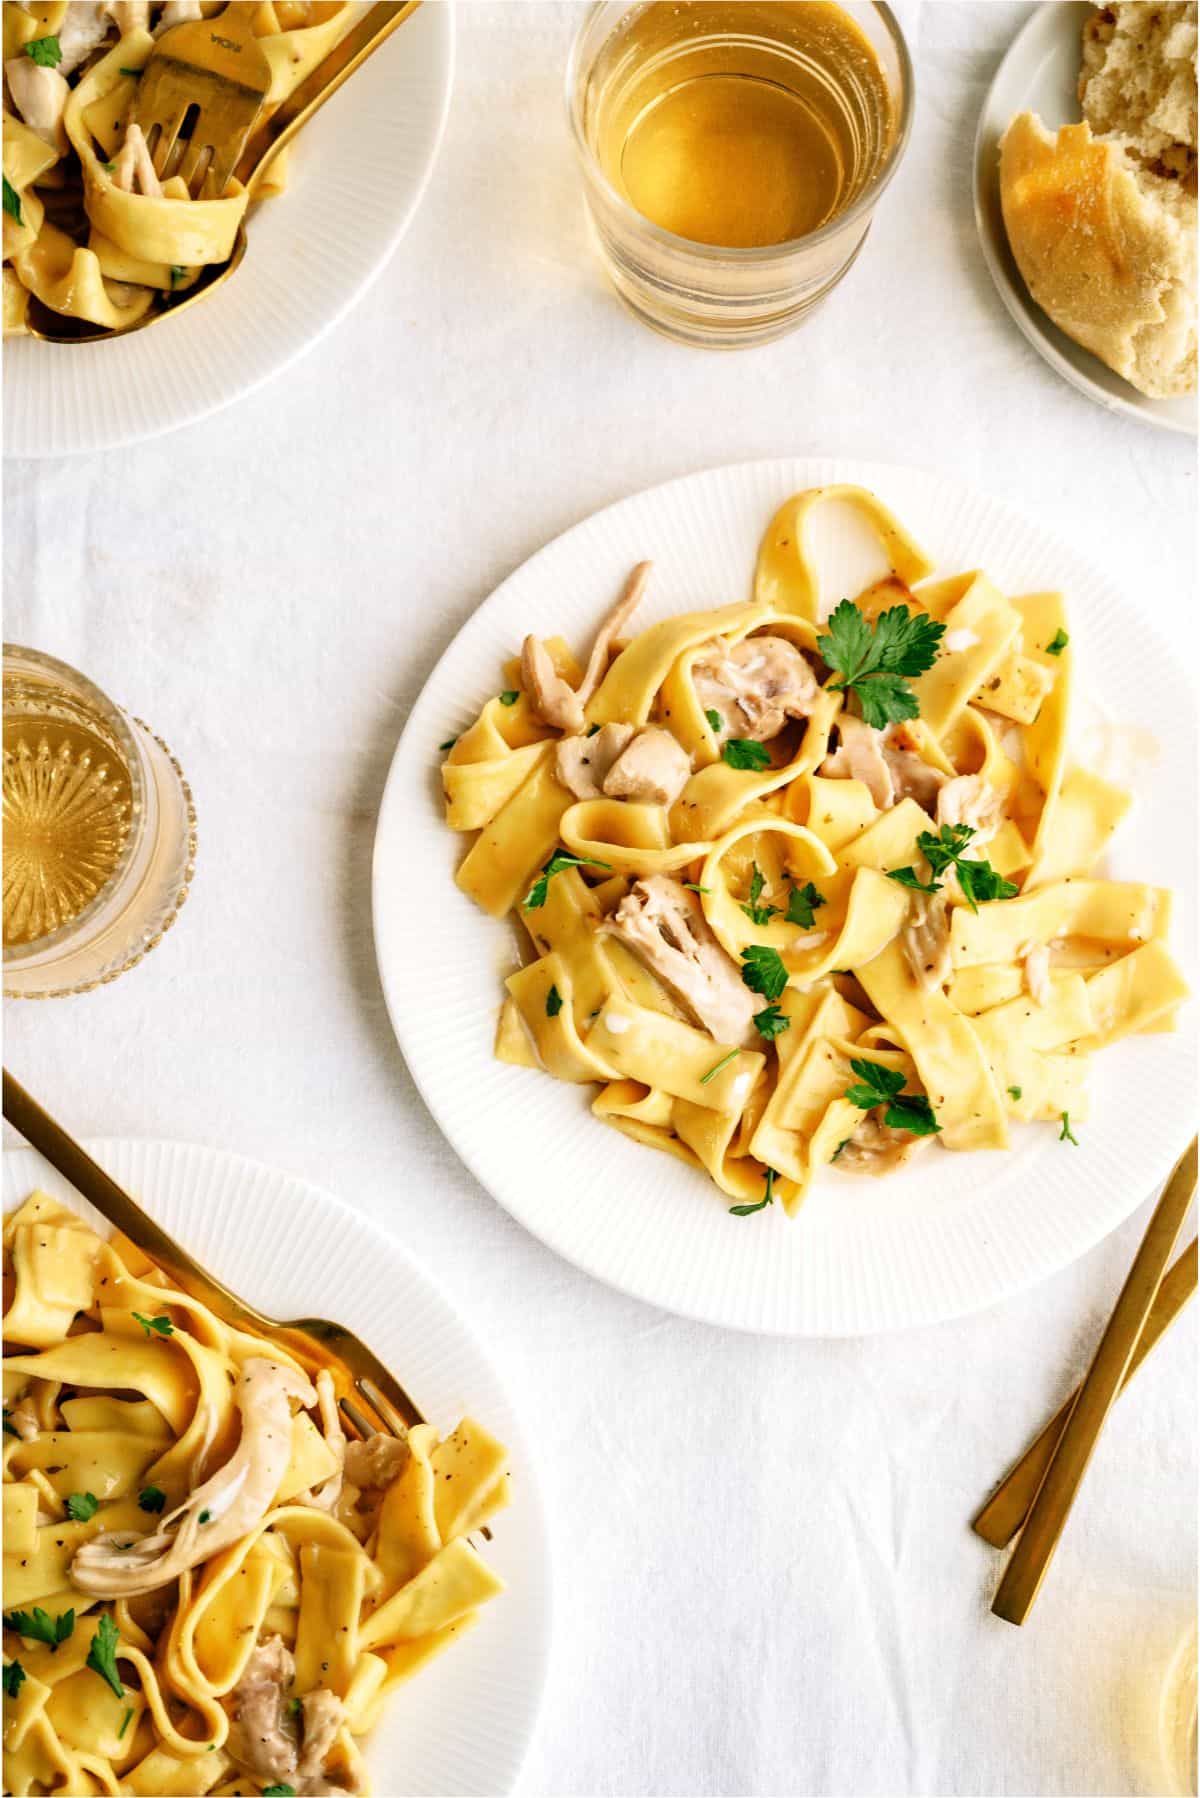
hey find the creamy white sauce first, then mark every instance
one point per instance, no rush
(615, 1024)
(957, 640)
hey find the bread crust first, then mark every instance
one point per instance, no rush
(1106, 249)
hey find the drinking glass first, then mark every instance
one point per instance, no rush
(706, 293)
(99, 832)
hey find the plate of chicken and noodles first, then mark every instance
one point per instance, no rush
(207, 1587)
(127, 264)
(778, 904)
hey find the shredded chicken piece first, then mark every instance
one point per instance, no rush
(22, 1419)
(859, 756)
(877, 1148)
(178, 12)
(912, 776)
(84, 27)
(324, 1715)
(554, 700)
(969, 799)
(262, 1737)
(373, 1464)
(756, 686)
(133, 171)
(654, 769)
(1035, 967)
(582, 763)
(238, 1495)
(325, 1496)
(129, 15)
(666, 928)
(925, 938)
(39, 95)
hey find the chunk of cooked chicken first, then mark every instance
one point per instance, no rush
(912, 776)
(1035, 970)
(22, 1419)
(82, 29)
(225, 1507)
(39, 95)
(374, 1463)
(554, 700)
(755, 686)
(925, 938)
(582, 762)
(262, 1735)
(654, 769)
(665, 927)
(969, 799)
(885, 762)
(877, 1148)
(324, 1715)
(133, 170)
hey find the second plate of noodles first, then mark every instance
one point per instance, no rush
(808, 885)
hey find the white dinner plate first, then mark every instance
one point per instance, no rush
(1039, 74)
(947, 1234)
(465, 1723)
(358, 172)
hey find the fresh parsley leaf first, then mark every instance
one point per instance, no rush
(877, 1084)
(10, 1428)
(294, 1707)
(693, 888)
(744, 752)
(12, 201)
(510, 697)
(877, 662)
(38, 1626)
(591, 730)
(155, 1326)
(764, 971)
(1065, 1134)
(715, 722)
(45, 51)
(151, 1498)
(981, 883)
(772, 1022)
(908, 877)
(102, 1655)
(447, 745)
(125, 1723)
(978, 879)
(558, 863)
(943, 850)
(279, 1792)
(553, 1002)
(1057, 643)
(14, 1678)
(718, 1065)
(81, 1506)
(178, 274)
(1014, 1092)
(205, 1516)
(914, 1113)
(758, 914)
(802, 903)
(768, 1198)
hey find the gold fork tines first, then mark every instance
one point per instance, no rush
(211, 77)
(368, 1393)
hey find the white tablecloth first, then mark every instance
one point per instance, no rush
(767, 1584)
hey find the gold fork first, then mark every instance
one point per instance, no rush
(370, 1398)
(213, 73)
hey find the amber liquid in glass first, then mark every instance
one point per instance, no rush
(67, 809)
(741, 123)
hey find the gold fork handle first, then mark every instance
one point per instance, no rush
(100, 1190)
(271, 135)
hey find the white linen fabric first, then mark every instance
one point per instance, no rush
(767, 1583)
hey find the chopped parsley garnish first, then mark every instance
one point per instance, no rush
(768, 1198)
(764, 971)
(758, 914)
(802, 903)
(12, 201)
(14, 1678)
(205, 1516)
(772, 1022)
(45, 51)
(155, 1326)
(279, 1792)
(553, 1002)
(1014, 1092)
(38, 1626)
(879, 1085)
(1066, 1134)
(978, 879)
(448, 744)
(125, 1723)
(876, 662)
(744, 752)
(559, 862)
(715, 722)
(718, 1065)
(136, 73)
(294, 1707)
(693, 888)
(591, 730)
(1057, 643)
(178, 274)
(151, 1498)
(102, 1655)
(510, 697)
(10, 1428)
(81, 1506)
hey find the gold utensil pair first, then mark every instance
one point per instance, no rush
(1040, 1489)
(370, 1398)
(223, 77)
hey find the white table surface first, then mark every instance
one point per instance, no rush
(767, 1583)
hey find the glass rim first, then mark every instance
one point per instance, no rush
(15, 954)
(760, 254)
